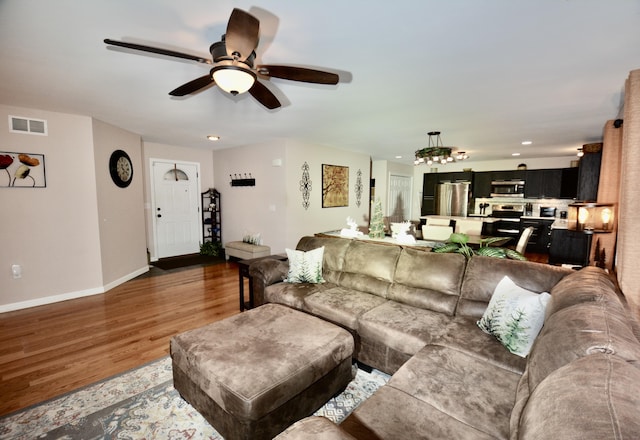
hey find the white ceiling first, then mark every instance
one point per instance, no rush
(488, 74)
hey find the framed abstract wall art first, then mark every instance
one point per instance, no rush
(22, 170)
(335, 186)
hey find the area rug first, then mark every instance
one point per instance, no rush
(142, 404)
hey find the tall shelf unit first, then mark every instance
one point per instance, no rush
(211, 219)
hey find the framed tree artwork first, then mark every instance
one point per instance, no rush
(335, 186)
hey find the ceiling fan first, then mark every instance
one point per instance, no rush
(232, 59)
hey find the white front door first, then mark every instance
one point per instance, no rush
(176, 208)
(399, 198)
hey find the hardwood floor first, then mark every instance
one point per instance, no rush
(49, 350)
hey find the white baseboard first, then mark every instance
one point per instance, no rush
(126, 278)
(70, 295)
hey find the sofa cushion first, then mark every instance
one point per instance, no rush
(579, 331)
(522, 397)
(588, 285)
(314, 428)
(394, 414)
(305, 266)
(334, 252)
(466, 388)
(427, 280)
(484, 273)
(341, 306)
(590, 398)
(464, 335)
(514, 316)
(293, 294)
(369, 267)
(401, 327)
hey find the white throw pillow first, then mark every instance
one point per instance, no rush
(514, 316)
(305, 267)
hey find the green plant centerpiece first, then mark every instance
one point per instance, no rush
(211, 248)
(458, 243)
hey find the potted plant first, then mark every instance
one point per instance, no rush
(458, 243)
(211, 248)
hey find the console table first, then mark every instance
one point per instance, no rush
(243, 273)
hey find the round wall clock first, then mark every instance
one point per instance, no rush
(121, 168)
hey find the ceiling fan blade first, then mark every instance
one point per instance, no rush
(242, 34)
(157, 50)
(192, 86)
(299, 74)
(264, 96)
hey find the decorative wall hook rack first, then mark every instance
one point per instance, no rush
(242, 180)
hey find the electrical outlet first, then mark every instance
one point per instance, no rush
(16, 271)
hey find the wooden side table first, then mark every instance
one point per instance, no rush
(243, 272)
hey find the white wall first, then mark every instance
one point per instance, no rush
(301, 221)
(274, 206)
(54, 232)
(253, 209)
(120, 210)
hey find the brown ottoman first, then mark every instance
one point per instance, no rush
(254, 374)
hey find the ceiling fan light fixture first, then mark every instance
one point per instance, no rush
(233, 79)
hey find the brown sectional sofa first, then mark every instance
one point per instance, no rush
(413, 314)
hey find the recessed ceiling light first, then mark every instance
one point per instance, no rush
(213, 138)
(398, 157)
(526, 142)
(515, 154)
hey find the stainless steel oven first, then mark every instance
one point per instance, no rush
(508, 220)
(507, 188)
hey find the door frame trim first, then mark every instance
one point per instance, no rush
(154, 233)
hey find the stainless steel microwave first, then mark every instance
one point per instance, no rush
(507, 188)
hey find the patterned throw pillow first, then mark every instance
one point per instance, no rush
(514, 316)
(305, 267)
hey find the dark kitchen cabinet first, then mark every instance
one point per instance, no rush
(482, 184)
(459, 176)
(543, 183)
(429, 186)
(569, 183)
(569, 247)
(541, 237)
(589, 176)
(508, 175)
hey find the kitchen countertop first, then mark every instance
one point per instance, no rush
(558, 223)
(537, 217)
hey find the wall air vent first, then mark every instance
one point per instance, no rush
(18, 124)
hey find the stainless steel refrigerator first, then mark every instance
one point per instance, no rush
(452, 198)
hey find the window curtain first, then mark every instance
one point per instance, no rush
(628, 252)
(609, 190)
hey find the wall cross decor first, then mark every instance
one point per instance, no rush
(305, 186)
(359, 188)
